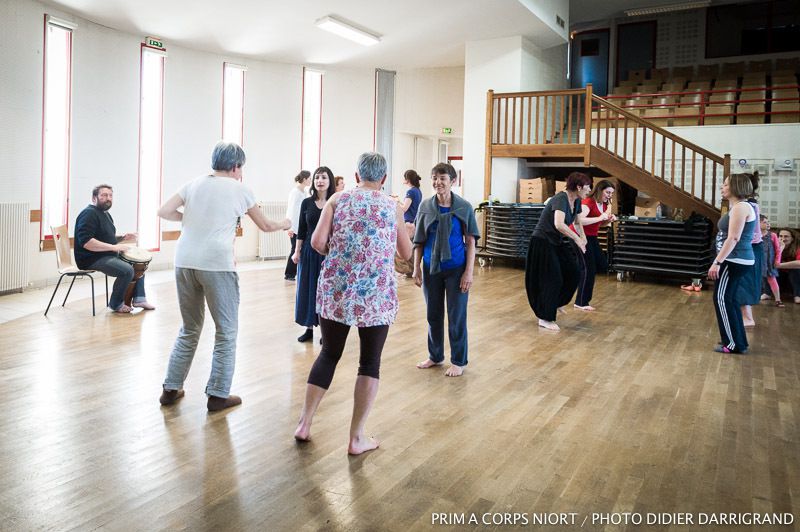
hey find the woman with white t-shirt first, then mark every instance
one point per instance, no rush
(296, 197)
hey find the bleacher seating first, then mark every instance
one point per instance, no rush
(756, 92)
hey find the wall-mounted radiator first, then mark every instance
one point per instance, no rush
(274, 245)
(14, 224)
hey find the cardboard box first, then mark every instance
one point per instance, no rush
(532, 190)
(646, 207)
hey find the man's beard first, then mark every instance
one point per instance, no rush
(103, 205)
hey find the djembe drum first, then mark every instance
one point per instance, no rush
(138, 258)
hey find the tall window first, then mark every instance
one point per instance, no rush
(233, 103)
(56, 122)
(312, 119)
(151, 115)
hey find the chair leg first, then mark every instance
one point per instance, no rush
(106, 289)
(92, 280)
(54, 294)
(68, 291)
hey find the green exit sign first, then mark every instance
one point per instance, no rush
(155, 43)
(447, 130)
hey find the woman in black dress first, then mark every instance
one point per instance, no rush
(551, 269)
(309, 261)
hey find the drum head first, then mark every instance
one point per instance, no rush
(134, 254)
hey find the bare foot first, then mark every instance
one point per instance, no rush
(303, 432)
(144, 305)
(124, 309)
(427, 363)
(454, 371)
(549, 325)
(587, 308)
(362, 445)
(749, 323)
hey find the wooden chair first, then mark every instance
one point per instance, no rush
(742, 118)
(699, 85)
(673, 86)
(793, 114)
(687, 116)
(718, 110)
(784, 94)
(726, 83)
(722, 97)
(67, 268)
(658, 116)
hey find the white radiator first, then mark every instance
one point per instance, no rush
(274, 245)
(14, 223)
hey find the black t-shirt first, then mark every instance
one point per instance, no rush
(546, 227)
(93, 223)
(309, 218)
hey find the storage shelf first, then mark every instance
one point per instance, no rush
(662, 247)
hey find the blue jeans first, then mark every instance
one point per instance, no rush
(438, 289)
(123, 273)
(220, 290)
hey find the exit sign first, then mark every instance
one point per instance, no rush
(447, 130)
(155, 43)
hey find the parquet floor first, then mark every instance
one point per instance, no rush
(626, 410)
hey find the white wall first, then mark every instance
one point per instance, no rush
(348, 107)
(505, 65)
(105, 108)
(426, 100)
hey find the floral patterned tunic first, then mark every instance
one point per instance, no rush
(357, 284)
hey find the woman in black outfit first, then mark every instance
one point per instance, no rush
(309, 261)
(551, 269)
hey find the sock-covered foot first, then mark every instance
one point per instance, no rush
(215, 404)
(549, 325)
(306, 336)
(170, 397)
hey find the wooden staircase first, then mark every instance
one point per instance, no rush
(576, 125)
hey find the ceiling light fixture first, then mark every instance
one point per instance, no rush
(668, 8)
(343, 29)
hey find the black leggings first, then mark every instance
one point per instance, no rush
(334, 336)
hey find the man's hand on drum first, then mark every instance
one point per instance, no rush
(121, 248)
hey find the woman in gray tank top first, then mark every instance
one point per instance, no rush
(733, 261)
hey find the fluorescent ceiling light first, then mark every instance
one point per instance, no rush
(343, 29)
(668, 8)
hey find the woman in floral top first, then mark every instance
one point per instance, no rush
(358, 233)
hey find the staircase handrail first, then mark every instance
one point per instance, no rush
(645, 124)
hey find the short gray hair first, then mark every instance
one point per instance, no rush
(371, 166)
(227, 156)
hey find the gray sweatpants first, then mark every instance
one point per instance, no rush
(221, 291)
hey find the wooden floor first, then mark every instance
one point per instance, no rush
(626, 410)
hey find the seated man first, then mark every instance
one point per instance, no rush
(97, 246)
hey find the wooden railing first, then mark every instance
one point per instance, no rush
(561, 124)
(537, 117)
(664, 155)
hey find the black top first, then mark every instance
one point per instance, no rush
(546, 228)
(309, 218)
(93, 223)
